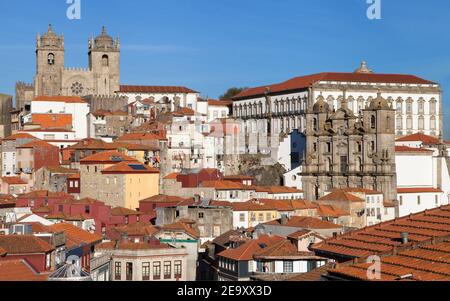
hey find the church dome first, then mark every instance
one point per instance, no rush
(104, 40)
(363, 68)
(379, 103)
(321, 106)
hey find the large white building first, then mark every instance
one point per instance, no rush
(74, 105)
(280, 108)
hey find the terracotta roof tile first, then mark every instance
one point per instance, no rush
(277, 189)
(53, 120)
(121, 211)
(155, 89)
(13, 181)
(246, 251)
(419, 190)
(66, 99)
(38, 144)
(303, 82)
(19, 270)
(137, 229)
(163, 198)
(46, 193)
(425, 139)
(305, 222)
(407, 149)
(24, 244)
(428, 262)
(172, 176)
(76, 234)
(107, 157)
(130, 246)
(130, 167)
(340, 195)
(183, 227)
(383, 237)
(20, 136)
(225, 185)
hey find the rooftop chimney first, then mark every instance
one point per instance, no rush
(284, 219)
(404, 237)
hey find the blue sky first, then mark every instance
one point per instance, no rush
(211, 45)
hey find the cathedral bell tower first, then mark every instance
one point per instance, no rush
(104, 62)
(49, 64)
(379, 127)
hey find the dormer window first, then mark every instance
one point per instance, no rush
(51, 59)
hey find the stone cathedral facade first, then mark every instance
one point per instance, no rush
(102, 77)
(344, 149)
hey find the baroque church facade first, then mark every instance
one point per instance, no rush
(344, 149)
(102, 77)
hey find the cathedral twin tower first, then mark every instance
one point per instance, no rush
(52, 77)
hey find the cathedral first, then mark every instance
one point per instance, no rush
(102, 77)
(348, 150)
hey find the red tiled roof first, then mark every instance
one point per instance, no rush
(384, 237)
(425, 139)
(172, 176)
(130, 168)
(246, 251)
(407, 149)
(218, 103)
(107, 157)
(183, 227)
(20, 136)
(283, 249)
(92, 144)
(37, 143)
(121, 211)
(19, 270)
(76, 234)
(184, 112)
(303, 82)
(13, 181)
(163, 198)
(428, 262)
(24, 244)
(66, 99)
(137, 229)
(139, 136)
(330, 211)
(305, 222)
(277, 189)
(340, 195)
(225, 185)
(360, 190)
(53, 120)
(46, 193)
(419, 190)
(130, 246)
(155, 89)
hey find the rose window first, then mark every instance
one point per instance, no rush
(77, 88)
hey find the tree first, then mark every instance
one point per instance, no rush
(232, 92)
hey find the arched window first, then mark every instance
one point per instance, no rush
(105, 61)
(421, 123)
(359, 165)
(399, 122)
(373, 123)
(432, 123)
(315, 124)
(409, 123)
(329, 165)
(51, 59)
(433, 106)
